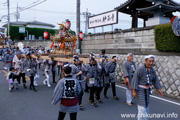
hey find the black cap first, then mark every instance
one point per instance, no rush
(75, 58)
(103, 51)
(92, 54)
(48, 51)
(92, 59)
(114, 56)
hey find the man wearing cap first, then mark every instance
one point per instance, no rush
(100, 78)
(129, 68)
(22, 73)
(141, 85)
(78, 71)
(30, 65)
(110, 68)
(91, 76)
(66, 91)
(86, 85)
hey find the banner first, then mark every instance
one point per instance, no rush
(103, 19)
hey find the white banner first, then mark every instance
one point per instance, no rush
(103, 19)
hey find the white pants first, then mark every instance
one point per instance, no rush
(128, 96)
(47, 78)
(143, 113)
(36, 78)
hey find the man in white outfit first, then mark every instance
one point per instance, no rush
(129, 68)
(47, 71)
(36, 78)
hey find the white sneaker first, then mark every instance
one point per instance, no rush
(5, 68)
(49, 85)
(45, 82)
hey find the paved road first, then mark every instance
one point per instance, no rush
(24, 104)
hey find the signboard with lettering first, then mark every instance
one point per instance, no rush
(21, 29)
(103, 19)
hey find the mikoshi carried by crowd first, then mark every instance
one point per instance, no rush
(78, 73)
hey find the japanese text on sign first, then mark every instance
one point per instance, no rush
(108, 18)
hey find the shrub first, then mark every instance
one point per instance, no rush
(165, 39)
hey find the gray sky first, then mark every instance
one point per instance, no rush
(56, 11)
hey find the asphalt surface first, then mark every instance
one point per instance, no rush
(24, 104)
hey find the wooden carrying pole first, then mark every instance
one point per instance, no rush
(65, 58)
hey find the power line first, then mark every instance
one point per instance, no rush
(33, 3)
(25, 8)
(58, 12)
(55, 12)
(17, 14)
(8, 16)
(30, 5)
(61, 17)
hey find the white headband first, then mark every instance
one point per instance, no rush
(149, 56)
(129, 54)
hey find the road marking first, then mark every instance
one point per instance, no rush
(155, 97)
(6, 74)
(27, 78)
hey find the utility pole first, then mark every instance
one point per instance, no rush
(86, 15)
(17, 14)
(8, 16)
(78, 50)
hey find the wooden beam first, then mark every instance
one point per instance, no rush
(134, 19)
(66, 59)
